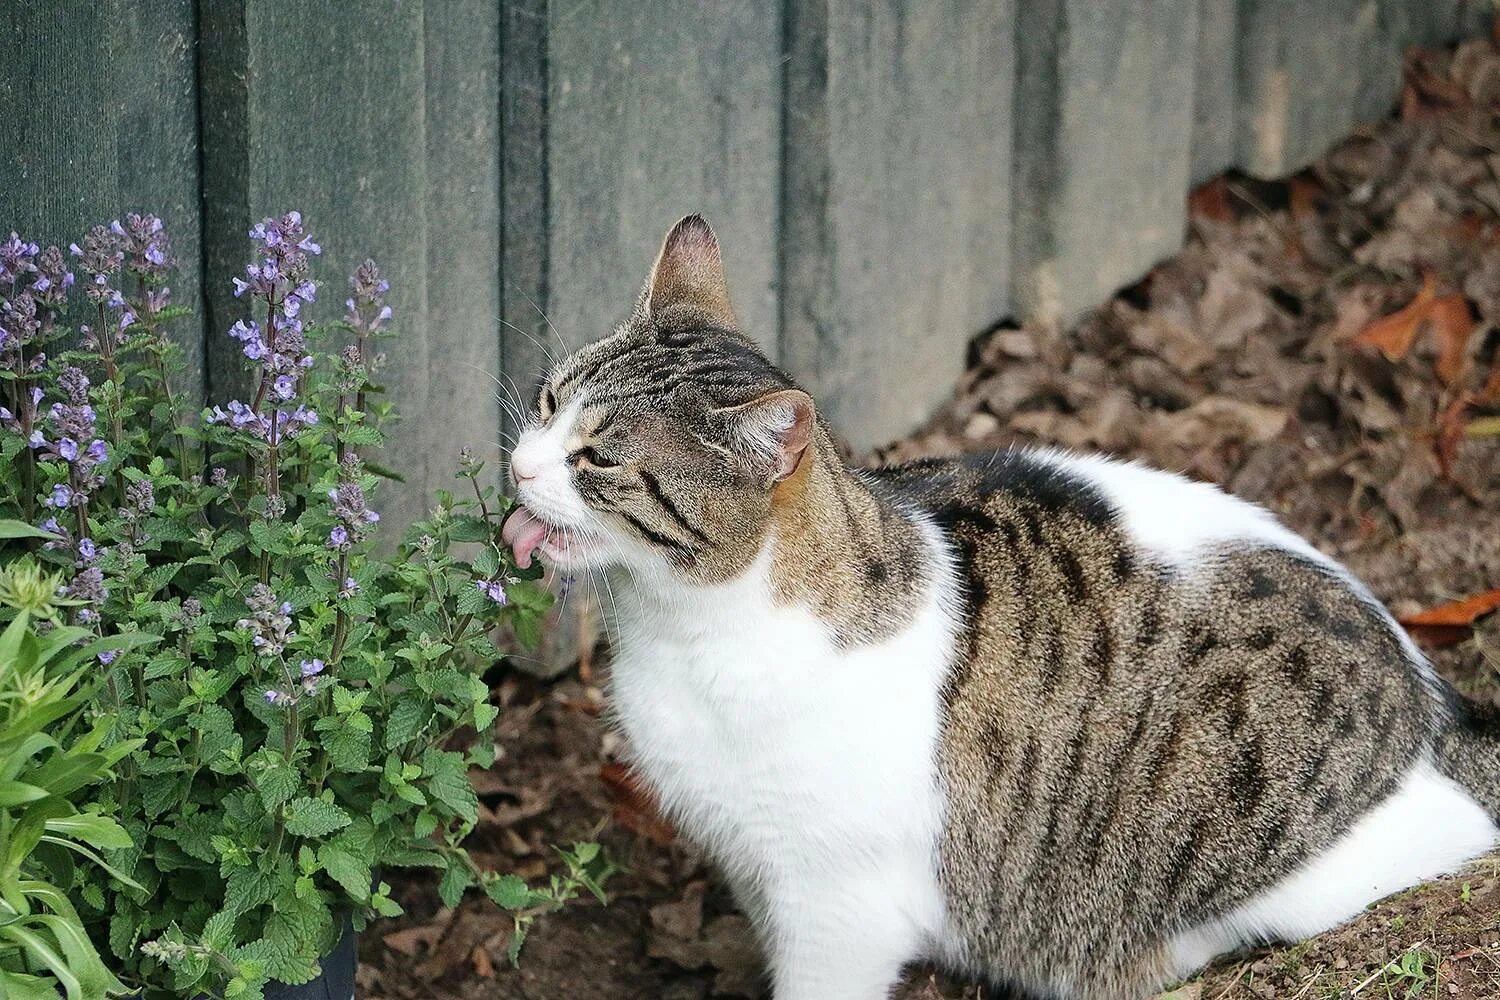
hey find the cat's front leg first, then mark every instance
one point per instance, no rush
(837, 940)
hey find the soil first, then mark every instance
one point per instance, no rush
(1325, 345)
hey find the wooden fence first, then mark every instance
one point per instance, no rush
(888, 178)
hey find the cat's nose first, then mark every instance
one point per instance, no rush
(520, 472)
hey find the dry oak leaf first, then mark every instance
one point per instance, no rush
(1395, 333)
(1453, 322)
(1452, 622)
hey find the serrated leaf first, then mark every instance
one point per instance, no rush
(352, 873)
(448, 782)
(309, 817)
(276, 784)
(509, 892)
(452, 885)
(406, 720)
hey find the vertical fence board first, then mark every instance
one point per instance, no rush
(1103, 141)
(1295, 103)
(654, 111)
(100, 120)
(328, 113)
(463, 228)
(897, 212)
(1215, 89)
(525, 339)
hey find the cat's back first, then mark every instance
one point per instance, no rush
(1162, 703)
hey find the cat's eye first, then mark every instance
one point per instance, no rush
(546, 402)
(589, 456)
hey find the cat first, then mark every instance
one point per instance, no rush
(1059, 723)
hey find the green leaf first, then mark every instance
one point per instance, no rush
(349, 871)
(18, 793)
(276, 784)
(309, 817)
(158, 577)
(10, 529)
(509, 892)
(448, 782)
(99, 831)
(472, 601)
(486, 561)
(20, 986)
(469, 529)
(407, 719)
(454, 882)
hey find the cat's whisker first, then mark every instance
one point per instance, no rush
(539, 344)
(539, 312)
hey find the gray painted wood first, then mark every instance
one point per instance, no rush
(1103, 148)
(1216, 89)
(462, 204)
(898, 202)
(380, 128)
(1295, 105)
(101, 119)
(656, 110)
(527, 344)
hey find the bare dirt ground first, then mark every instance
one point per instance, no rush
(1327, 346)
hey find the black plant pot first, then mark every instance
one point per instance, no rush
(335, 982)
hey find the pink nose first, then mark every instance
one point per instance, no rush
(519, 473)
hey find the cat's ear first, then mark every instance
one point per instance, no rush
(772, 433)
(687, 281)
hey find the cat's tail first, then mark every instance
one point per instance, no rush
(1468, 750)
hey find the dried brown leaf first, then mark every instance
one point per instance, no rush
(1451, 623)
(1453, 323)
(1211, 200)
(1394, 334)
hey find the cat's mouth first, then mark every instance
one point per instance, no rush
(526, 534)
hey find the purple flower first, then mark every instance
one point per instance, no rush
(274, 697)
(98, 451)
(311, 668)
(338, 538)
(62, 496)
(108, 656)
(494, 590)
(87, 550)
(68, 449)
(269, 622)
(366, 310)
(285, 387)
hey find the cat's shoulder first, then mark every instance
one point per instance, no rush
(1173, 517)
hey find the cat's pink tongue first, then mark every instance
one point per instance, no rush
(524, 534)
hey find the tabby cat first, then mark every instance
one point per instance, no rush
(1055, 722)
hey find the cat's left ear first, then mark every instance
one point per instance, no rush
(687, 281)
(772, 433)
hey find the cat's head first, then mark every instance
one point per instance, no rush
(664, 446)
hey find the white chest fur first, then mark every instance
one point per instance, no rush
(799, 766)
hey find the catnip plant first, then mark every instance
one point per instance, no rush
(307, 722)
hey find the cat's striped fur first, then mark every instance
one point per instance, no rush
(1064, 724)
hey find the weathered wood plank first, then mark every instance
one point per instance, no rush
(100, 120)
(1300, 77)
(1103, 146)
(526, 341)
(897, 214)
(380, 129)
(654, 111)
(1215, 89)
(463, 225)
